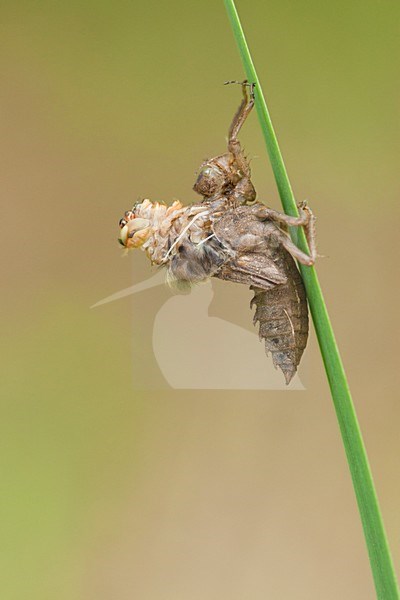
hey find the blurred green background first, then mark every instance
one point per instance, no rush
(113, 493)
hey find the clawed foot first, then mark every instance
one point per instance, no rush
(245, 84)
(309, 227)
(305, 209)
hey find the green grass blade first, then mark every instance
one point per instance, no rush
(378, 549)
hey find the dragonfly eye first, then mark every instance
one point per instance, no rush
(122, 223)
(123, 237)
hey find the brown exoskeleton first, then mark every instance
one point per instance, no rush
(228, 175)
(230, 236)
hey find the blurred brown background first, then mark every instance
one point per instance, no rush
(109, 492)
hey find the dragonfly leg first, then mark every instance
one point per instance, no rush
(306, 219)
(241, 115)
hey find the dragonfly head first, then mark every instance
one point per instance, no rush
(134, 231)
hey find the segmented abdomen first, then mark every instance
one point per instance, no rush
(282, 314)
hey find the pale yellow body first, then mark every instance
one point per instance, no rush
(158, 228)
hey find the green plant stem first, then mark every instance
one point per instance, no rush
(378, 549)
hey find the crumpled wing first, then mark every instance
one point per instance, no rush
(251, 269)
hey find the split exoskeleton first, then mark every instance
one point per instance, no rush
(231, 236)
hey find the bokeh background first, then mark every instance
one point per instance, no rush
(111, 492)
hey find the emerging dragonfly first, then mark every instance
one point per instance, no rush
(230, 236)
